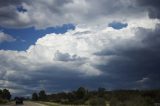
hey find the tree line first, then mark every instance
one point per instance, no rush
(101, 97)
(5, 95)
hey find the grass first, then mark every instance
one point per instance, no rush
(2, 101)
(7, 103)
(56, 104)
(50, 104)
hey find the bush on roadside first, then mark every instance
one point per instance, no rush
(97, 102)
(2, 101)
(135, 101)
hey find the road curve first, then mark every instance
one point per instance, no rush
(26, 103)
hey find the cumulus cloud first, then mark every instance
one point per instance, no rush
(92, 54)
(86, 55)
(5, 37)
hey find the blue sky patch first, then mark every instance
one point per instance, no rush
(28, 36)
(118, 25)
(21, 9)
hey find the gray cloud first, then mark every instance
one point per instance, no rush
(9, 16)
(6, 38)
(133, 63)
(10, 3)
(66, 57)
(56, 12)
(153, 7)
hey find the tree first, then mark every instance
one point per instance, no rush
(6, 94)
(34, 96)
(1, 93)
(101, 92)
(42, 95)
(81, 92)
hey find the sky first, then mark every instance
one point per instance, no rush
(60, 45)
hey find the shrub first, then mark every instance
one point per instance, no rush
(97, 102)
(134, 101)
(2, 101)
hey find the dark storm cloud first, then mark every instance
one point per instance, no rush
(10, 2)
(52, 79)
(150, 55)
(135, 63)
(153, 7)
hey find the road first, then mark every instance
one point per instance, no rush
(26, 104)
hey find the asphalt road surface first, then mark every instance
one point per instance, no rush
(26, 104)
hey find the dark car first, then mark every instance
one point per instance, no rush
(19, 100)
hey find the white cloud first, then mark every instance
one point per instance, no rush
(143, 80)
(5, 37)
(75, 47)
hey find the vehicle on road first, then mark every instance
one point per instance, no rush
(19, 100)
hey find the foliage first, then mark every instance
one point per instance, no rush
(2, 101)
(42, 95)
(130, 98)
(97, 101)
(34, 96)
(5, 96)
(100, 96)
(101, 92)
(81, 92)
